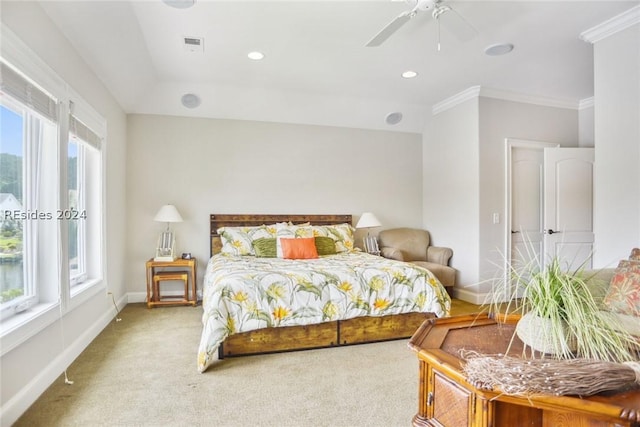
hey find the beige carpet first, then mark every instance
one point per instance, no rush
(141, 371)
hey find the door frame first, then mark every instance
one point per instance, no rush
(510, 145)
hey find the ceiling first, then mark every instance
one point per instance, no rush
(317, 69)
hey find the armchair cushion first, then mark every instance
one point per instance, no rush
(412, 242)
(413, 245)
(392, 253)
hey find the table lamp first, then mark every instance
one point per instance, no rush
(165, 250)
(369, 220)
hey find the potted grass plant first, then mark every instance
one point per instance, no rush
(559, 315)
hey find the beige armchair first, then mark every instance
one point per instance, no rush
(413, 245)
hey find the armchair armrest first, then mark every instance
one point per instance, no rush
(439, 255)
(392, 253)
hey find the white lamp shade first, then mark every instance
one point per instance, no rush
(168, 213)
(368, 220)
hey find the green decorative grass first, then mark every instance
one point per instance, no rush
(563, 297)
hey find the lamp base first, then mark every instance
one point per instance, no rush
(164, 258)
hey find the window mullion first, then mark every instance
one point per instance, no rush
(63, 204)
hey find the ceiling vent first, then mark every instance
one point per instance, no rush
(193, 44)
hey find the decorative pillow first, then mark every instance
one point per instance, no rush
(342, 235)
(265, 247)
(302, 248)
(291, 232)
(237, 240)
(325, 245)
(635, 254)
(623, 295)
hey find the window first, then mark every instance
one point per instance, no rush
(29, 139)
(76, 214)
(84, 167)
(12, 265)
(51, 195)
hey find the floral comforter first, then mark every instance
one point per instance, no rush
(244, 293)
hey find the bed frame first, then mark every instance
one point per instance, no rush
(328, 334)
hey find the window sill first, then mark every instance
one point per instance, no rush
(18, 328)
(82, 292)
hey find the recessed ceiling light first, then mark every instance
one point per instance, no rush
(498, 49)
(256, 56)
(180, 4)
(190, 100)
(393, 118)
(409, 74)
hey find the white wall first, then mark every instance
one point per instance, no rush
(500, 119)
(586, 125)
(617, 146)
(29, 369)
(464, 178)
(206, 166)
(451, 185)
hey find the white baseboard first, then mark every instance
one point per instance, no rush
(136, 297)
(20, 402)
(469, 296)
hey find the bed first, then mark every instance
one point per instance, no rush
(262, 293)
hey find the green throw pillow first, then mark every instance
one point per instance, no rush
(265, 247)
(325, 245)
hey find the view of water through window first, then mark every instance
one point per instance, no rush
(11, 204)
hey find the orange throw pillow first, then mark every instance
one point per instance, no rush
(302, 248)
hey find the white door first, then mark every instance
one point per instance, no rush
(568, 206)
(549, 204)
(526, 205)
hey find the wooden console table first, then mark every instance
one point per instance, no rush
(447, 399)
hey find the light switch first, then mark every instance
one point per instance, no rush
(496, 218)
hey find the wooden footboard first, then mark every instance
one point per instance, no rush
(329, 334)
(273, 340)
(372, 329)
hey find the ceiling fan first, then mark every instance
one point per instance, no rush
(461, 28)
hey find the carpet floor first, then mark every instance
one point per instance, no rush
(141, 371)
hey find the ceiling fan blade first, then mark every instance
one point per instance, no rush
(391, 28)
(455, 23)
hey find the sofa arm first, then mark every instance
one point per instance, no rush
(392, 253)
(439, 255)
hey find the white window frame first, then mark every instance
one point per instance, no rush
(91, 135)
(78, 214)
(56, 295)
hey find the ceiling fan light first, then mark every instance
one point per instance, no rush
(498, 49)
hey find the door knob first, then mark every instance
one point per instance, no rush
(550, 231)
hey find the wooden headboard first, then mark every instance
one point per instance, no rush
(247, 220)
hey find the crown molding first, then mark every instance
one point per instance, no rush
(586, 103)
(528, 99)
(459, 98)
(478, 91)
(612, 26)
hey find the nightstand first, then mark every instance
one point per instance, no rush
(171, 270)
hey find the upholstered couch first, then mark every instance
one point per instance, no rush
(613, 303)
(413, 245)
